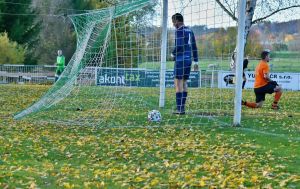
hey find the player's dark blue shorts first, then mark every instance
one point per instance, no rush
(261, 92)
(182, 69)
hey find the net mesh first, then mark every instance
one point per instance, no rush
(113, 77)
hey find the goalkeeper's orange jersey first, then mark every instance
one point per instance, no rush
(260, 70)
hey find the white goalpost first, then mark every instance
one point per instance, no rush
(121, 68)
(163, 58)
(239, 66)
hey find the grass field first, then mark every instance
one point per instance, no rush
(280, 63)
(181, 152)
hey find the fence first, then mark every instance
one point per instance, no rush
(212, 77)
(33, 74)
(36, 74)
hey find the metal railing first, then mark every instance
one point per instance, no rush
(34, 74)
(45, 75)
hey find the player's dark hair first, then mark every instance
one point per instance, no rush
(177, 17)
(264, 54)
(245, 63)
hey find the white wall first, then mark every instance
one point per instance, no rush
(288, 81)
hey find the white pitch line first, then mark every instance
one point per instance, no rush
(270, 134)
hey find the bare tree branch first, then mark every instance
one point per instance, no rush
(227, 11)
(278, 10)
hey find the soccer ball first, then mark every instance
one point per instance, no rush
(154, 116)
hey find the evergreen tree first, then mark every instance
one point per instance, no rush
(56, 30)
(19, 21)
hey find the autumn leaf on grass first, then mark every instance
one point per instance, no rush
(68, 185)
(33, 185)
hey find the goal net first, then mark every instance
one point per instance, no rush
(113, 77)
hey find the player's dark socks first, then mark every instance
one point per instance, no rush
(179, 101)
(243, 86)
(184, 97)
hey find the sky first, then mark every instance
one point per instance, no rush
(209, 13)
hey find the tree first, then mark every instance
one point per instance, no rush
(257, 10)
(10, 52)
(128, 32)
(253, 47)
(91, 4)
(18, 19)
(280, 47)
(56, 30)
(219, 43)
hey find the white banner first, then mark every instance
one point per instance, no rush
(288, 81)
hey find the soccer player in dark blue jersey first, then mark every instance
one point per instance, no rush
(184, 52)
